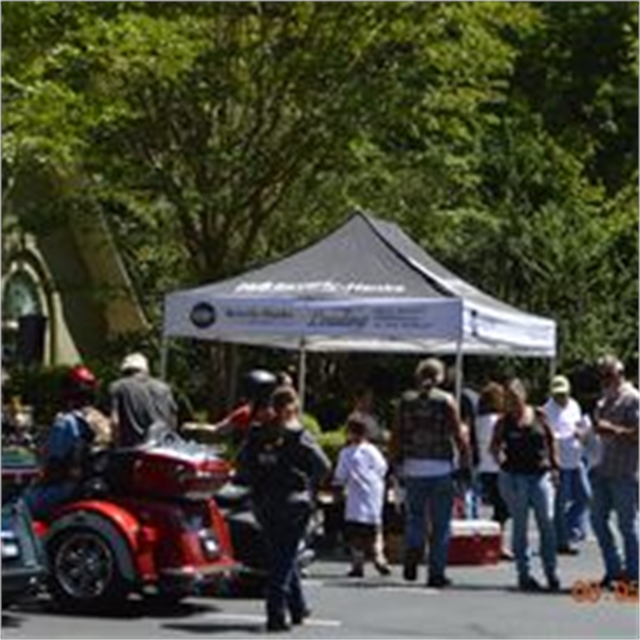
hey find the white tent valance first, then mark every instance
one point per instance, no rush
(410, 326)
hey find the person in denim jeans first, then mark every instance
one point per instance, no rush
(615, 477)
(524, 447)
(574, 491)
(426, 433)
(283, 465)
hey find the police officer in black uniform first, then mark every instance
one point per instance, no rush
(283, 465)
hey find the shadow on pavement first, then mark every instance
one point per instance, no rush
(364, 583)
(382, 583)
(131, 610)
(10, 621)
(222, 627)
(241, 589)
(511, 589)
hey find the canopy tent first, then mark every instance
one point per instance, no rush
(366, 286)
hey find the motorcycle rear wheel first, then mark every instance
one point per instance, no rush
(84, 571)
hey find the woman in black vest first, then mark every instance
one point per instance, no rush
(283, 465)
(524, 447)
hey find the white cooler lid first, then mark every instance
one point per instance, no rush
(474, 528)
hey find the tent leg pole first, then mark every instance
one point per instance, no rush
(302, 374)
(164, 357)
(232, 382)
(459, 373)
(552, 368)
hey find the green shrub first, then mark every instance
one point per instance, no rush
(40, 388)
(331, 443)
(310, 423)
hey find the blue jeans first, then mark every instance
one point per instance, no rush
(472, 498)
(435, 497)
(572, 503)
(42, 499)
(619, 495)
(284, 527)
(523, 492)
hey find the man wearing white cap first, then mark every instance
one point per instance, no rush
(572, 498)
(138, 400)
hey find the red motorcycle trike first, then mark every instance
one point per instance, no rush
(145, 521)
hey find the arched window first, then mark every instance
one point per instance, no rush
(20, 296)
(23, 320)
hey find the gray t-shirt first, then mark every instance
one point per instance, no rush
(138, 401)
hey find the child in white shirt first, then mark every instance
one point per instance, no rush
(361, 469)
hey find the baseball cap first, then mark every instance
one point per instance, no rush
(560, 385)
(135, 362)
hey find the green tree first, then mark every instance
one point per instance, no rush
(212, 136)
(579, 69)
(202, 120)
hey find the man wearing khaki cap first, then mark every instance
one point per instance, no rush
(572, 498)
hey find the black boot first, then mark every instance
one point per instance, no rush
(277, 623)
(412, 558)
(277, 620)
(299, 616)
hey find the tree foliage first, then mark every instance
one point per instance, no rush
(211, 136)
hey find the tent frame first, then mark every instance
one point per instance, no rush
(366, 286)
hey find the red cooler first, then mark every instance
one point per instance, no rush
(474, 542)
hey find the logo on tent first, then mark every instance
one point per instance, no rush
(203, 315)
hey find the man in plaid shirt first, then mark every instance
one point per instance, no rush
(615, 478)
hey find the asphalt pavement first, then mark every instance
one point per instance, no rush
(482, 603)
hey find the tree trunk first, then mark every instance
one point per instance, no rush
(217, 404)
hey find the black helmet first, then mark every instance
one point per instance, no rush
(258, 385)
